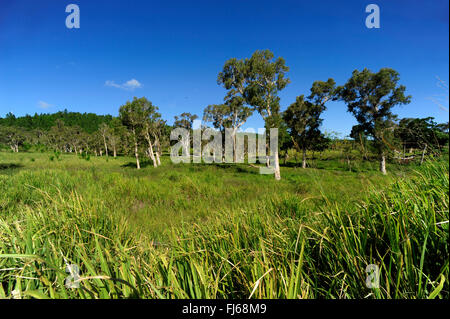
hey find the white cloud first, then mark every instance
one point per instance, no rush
(129, 85)
(133, 84)
(112, 84)
(44, 105)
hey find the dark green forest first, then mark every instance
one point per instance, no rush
(88, 122)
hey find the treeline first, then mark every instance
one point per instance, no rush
(252, 86)
(88, 122)
(84, 134)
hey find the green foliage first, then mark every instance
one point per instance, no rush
(303, 121)
(88, 122)
(236, 110)
(418, 132)
(213, 231)
(266, 78)
(322, 92)
(185, 120)
(85, 156)
(255, 82)
(12, 136)
(225, 231)
(371, 97)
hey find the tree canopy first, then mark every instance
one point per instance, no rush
(370, 97)
(88, 122)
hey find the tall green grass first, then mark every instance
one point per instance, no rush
(279, 247)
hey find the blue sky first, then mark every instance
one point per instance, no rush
(172, 51)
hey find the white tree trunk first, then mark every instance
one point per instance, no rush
(138, 165)
(106, 146)
(383, 164)
(136, 153)
(152, 155)
(304, 159)
(157, 150)
(423, 154)
(150, 150)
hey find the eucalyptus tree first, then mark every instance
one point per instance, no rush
(185, 120)
(420, 133)
(371, 97)
(158, 131)
(303, 121)
(323, 92)
(216, 115)
(73, 136)
(56, 137)
(31, 137)
(266, 77)
(95, 143)
(151, 125)
(116, 134)
(234, 77)
(236, 109)
(12, 136)
(140, 116)
(104, 132)
(132, 117)
(303, 118)
(83, 145)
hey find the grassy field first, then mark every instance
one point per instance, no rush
(220, 231)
